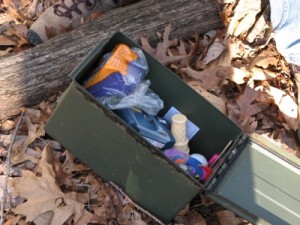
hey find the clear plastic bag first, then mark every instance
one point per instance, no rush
(119, 73)
(142, 98)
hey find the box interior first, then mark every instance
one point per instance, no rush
(216, 130)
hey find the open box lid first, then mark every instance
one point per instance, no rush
(260, 186)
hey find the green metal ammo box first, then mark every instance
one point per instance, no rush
(252, 178)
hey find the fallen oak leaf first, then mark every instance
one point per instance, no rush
(195, 218)
(35, 122)
(129, 216)
(107, 210)
(160, 53)
(247, 105)
(86, 218)
(212, 77)
(266, 59)
(286, 105)
(7, 125)
(239, 76)
(262, 74)
(6, 51)
(260, 28)
(244, 16)
(19, 149)
(228, 218)
(213, 99)
(5, 41)
(43, 194)
(70, 166)
(182, 50)
(44, 218)
(62, 177)
(242, 113)
(213, 51)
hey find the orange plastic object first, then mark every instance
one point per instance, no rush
(117, 62)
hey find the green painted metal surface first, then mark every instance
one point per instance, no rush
(107, 148)
(264, 184)
(252, 181)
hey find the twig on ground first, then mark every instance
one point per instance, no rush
(8, 160)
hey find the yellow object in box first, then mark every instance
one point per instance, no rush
(121, 56)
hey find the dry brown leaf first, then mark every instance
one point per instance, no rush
(288, 142)
(9, 221)
(21, 29)
(259, 30)
(86, 218)
(69, 166)
(239, 76)
(5, 41)
(182, 50)
(207, 40)
(43, 194)
(160, 53)
(228, 218)
(100, 213)
(35, 130)
(32, 9)
(194, 218)
(44, 219)
(5, 18)
(242, 113)
(261, 74)
(247, 105)
(6, 51)
(211, 78)
(287, 106)
(62, 177)
(245, 23)
(214, 51)
(244, 17)
(6, 139)
(7, 125)
(107, 210)
(226, 11)
(96, 183)
(125, 216)
(128, 216)
(214, 100)
(266, 59)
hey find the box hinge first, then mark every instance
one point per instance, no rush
(226, 159)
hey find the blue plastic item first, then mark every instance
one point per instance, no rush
(152, 128)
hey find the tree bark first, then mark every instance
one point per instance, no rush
(34, 75)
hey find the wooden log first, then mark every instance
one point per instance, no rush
(34, 75)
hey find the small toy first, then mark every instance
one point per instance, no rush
(176, 156)
(200, 158)
(213, 159)
(178, 129)
(196, 169)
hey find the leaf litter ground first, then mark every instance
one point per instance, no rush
(237, 69)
